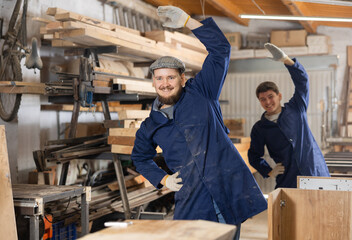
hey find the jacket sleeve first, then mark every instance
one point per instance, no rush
(210, 79)
(300, 80)
(142, 156)
(256, 153)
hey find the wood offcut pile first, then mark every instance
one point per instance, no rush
(106, 199)
(122, 132)
(70, 29)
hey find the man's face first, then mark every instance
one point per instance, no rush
(270, 101)
(168, 84)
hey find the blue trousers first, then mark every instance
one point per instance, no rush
(222, 220)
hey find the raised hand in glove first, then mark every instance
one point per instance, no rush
(172, 182)
(278, 54)
(175, 17)
(277, 170)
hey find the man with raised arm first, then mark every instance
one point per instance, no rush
(284, 129)
(210, 178)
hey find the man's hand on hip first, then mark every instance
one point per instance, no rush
(277, 170)
(172, 182)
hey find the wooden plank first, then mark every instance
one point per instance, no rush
(121, 140)
(121, 149)
(176, 37)
(91, 38)
(7, 216)
(41, 20)
(142, 83)
(52, 11)
(133, 114)
(128, 132)
(64, 43)
(130, 88)
(71, 16)
(167, 229)
(23, 89)
(119, 33)
(67, 107)
(136, 180)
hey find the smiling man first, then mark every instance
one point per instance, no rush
(210, 178)
(284, 130)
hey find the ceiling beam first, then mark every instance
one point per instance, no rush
(230, 9)
(310, 26)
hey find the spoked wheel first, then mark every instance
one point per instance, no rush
(10, 102)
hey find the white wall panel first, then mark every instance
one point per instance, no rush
(239, 91)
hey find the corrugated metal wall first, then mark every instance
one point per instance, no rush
(239, 91)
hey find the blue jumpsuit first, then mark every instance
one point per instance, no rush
(290, 140)
(195, 143)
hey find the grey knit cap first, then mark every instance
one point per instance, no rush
(167, 62)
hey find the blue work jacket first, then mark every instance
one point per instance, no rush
(195, 143)
(290, 140)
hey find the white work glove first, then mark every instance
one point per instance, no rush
(173, 183)
(277, 170)
(174, 17)
(278, 54)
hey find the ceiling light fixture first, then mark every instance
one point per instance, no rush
(295, 18)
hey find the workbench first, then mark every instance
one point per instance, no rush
(30, 200)
(166, 229)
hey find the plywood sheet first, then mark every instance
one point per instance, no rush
(167, 229)
(310, 214)
(7, 216)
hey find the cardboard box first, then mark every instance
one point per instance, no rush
(319, 49)
(318, 40)
(291, 38)
(242, 54)
(234, 39)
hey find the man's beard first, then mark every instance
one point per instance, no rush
(172, 100)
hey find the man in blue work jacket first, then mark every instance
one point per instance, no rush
(284, 130)
(211, 180)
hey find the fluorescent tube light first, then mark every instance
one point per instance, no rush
(295, 18)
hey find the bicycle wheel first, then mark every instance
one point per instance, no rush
(10, 102)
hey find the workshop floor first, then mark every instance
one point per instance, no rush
(255, 228)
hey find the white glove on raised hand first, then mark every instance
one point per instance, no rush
(277, 170)
(175, 17)
(278, 54)
(173, 183)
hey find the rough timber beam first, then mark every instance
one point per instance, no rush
(230, 9)
(310, 26)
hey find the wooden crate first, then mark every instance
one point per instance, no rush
(297, 214)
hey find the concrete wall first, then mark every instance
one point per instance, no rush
(33, 127)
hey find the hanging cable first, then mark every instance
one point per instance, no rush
(258, 7)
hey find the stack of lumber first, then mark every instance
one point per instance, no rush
(106, 199)
(70, 29)
(113, 107)
(68, 149)
(123, 132)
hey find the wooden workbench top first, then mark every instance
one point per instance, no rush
(166, 229)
